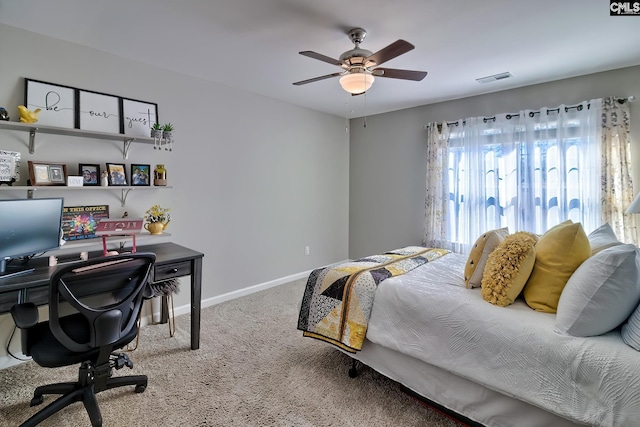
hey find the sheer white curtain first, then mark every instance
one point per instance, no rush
(526, 171)
(617, 185)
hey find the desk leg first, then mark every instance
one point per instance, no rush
(196, 303)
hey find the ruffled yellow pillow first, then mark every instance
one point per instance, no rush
(508, 267)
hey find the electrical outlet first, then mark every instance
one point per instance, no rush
(306, 250)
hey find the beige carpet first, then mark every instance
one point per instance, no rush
(253, 369)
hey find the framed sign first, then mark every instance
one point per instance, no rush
(47, 173)
(99, 112)
(9, 166)
(81, 222)
(57, 103)
(138, 117)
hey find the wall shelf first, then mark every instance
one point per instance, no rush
(34, 128)
(124, 191)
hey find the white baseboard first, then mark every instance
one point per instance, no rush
(185, 309)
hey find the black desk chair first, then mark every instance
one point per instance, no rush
(93, 310)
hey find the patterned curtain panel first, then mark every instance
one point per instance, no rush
(617, 185)
(437, 193)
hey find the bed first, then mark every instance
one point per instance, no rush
(497, 366)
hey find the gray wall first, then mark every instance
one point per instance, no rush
(387, 164)
(251, 176)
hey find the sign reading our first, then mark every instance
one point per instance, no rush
(622, 8)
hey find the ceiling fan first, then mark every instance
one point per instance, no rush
(362, 66)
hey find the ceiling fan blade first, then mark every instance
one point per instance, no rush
(399, 74)
(316, 79)
(396, 48)
(321, 57)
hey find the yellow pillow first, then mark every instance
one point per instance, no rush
(559, 252)
(508, 268)
(479, 253)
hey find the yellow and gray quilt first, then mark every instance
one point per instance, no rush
(338, 299)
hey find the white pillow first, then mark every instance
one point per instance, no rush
(631, 330)
(602, 237)
(601, 293)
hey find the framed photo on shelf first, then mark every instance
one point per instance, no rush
(57, 103)
(140, 175)
(117, 174)
(47, 173)
(90, 174)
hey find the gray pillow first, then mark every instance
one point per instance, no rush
(601, 293)
(602, 237)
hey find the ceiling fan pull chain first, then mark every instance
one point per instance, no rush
(365, 109)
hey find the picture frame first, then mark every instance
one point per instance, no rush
(9, 167)
(98, 112)
(90, 174)
(57, 103)
(47, 173)
(117, 174)
(138, 117)
(140, 175)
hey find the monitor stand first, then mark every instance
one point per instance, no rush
(7, 271)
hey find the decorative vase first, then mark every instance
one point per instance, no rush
(160, 175)
(154, 227)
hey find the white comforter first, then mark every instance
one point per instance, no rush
(429, 314)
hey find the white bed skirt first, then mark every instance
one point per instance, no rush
(465, 397)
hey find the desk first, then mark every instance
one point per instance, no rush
(171, 261)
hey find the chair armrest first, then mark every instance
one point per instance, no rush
(25, 315)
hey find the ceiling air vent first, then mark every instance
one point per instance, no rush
(495, 77)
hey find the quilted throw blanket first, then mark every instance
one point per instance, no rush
(338, 299)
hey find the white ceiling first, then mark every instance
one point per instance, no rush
(253, 45)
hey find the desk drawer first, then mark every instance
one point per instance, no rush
(38, 296)
(7, 300)
(168, 271)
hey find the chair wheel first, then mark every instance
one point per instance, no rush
(37, 400)
(353, 372)
(140, 388)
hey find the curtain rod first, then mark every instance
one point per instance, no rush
(533, 113)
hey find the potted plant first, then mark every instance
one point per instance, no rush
(167, 128)
(157, 219)
(156, 131)
(167, 132)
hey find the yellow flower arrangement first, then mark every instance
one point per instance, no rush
(156, 213)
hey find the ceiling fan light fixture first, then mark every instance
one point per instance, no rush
(356, 83)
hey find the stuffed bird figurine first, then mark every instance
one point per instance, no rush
(26, 115)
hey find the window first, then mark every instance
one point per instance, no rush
(528, 172)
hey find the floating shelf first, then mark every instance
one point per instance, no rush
(34, 128)
(124, 191)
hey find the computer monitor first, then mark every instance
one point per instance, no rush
(28, 227)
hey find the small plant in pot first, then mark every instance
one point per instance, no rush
(156, 130)
(156, 134)
(167, 132)
(167, 129)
